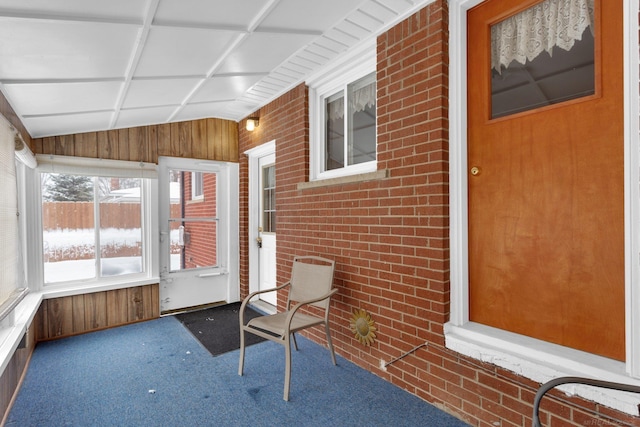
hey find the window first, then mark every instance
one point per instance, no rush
(343, 119)
(8, 219)
(350, 136)
(542, 56)
(94, 220)
(197, 191)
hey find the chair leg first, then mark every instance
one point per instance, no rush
(333, 354)
(287, 368)
(241, 365)
(295, 343)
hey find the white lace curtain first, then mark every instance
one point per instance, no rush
(359, 100)
(539, 29)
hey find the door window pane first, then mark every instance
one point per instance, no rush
(193, 225)
(542, 56)
(269, 199)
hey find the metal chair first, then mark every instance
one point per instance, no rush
(544, 388)
(310, 284)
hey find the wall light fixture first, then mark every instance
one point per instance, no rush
(252, 123)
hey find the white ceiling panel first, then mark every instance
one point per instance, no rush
(182, 51)
(158, 92)
(128, 10)
(70, 66)
(208, 13)
(398, 6)
(365, 21)
(308, 15)
(62, 98)
(223, 110)
(67, 123)
(144, 116)
(223, 88)
(262, 52)
(46, 50)
(377, 10)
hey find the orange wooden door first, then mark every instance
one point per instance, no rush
(546, 208)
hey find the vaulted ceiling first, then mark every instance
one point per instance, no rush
(73, 66)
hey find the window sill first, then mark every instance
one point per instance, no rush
(196, 200)
(24, 313)
(542, 361)
(65, 290)
(361, 177)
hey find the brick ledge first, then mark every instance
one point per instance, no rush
(368, 176)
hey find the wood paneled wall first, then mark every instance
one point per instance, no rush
(77, 314)
(209, 139)
(7, 111)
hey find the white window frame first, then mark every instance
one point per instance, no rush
(97, 167)
(349, 69)
(528, 357)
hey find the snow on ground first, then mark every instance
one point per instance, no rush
(63, 239)
(72, 241)
(67, 271)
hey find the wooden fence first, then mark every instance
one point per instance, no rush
(79, 215)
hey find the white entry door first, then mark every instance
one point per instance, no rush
(262, 221)
(198, 233)
(266, 239)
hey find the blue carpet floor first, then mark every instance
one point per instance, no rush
(157, 374)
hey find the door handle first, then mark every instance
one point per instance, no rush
(259, 242)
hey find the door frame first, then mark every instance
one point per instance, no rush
(482, 342)
(254, 155)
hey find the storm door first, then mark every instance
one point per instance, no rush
(197, 235)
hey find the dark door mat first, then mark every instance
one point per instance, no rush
(218, 328)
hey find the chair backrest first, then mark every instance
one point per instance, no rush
(311, 277)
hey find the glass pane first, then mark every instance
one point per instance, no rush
(362, 120)
(542, 56)
(334, 155)
(193, 224)
(120, 226)
(269, 199)
(68, 232)
(193, 244)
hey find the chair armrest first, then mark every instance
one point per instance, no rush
(301, 304)
(253, 294)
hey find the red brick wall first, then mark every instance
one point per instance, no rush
(389, 237)
(201, 250)
(287, 121)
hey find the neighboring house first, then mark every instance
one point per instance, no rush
(493, 251)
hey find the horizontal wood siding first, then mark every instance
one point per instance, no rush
(209, 139)
(73, 315)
